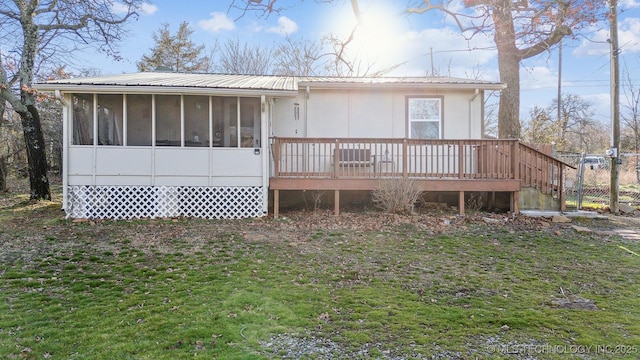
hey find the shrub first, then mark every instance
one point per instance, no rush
(396, 195)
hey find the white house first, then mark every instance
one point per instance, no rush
(162, 144)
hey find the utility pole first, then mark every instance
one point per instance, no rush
(560, 134)
(615, 106)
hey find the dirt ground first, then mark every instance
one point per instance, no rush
(298, 224)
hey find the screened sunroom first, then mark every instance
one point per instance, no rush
(165, 120)
(152, 144)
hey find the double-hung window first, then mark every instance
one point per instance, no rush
(424, 115)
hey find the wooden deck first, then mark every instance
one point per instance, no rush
(434, 165)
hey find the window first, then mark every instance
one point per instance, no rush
(196, 120)
(424, 117)
(139, 120)
(168, 120)
(109, 119)
(250, 122)
(226, 124)
(82, 119)
(180, 120)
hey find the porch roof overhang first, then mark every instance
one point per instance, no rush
(177, 83)
(250, 85)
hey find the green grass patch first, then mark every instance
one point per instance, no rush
(226, 289)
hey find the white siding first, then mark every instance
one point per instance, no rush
(376, 113)
(80, 161)
(288, 123)
(181, 162)
(123, 161)
(162, 166)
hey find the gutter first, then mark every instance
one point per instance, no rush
(406, 85)
(141, 89)
(475, 95)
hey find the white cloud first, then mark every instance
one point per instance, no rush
(597, 44)
(452, 54)
(630, 4)
(601, 104)
(255, 27)
(538, 77)
(285, 26)
(148, 9)
(629, 35)
(145, 8)
(218, 22)
(119, 8)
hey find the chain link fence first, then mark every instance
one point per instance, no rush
(588, 186)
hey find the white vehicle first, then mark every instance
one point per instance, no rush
(595, 162)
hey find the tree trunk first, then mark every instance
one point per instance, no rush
(36, 155)
(509, 109)
(31, 127)
(509, 67)
(3, 174)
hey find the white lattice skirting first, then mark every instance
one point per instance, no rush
(129, 202)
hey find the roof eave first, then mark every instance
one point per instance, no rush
(146, 89)
(438, 86)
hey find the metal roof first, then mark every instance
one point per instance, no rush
(405, 82)
(175, 82)
(166, 82)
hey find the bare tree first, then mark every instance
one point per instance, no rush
(236, 58)
(574, 131)
(631, 116)
(11, 145)
(51, 115)
(176, 52)
(298, 57)
(343, 62)
(541, 128)
(576, 118)
(490, 118)
(262, 8)
(48, 29)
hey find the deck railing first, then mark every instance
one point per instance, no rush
(346, 158)
(357, 158)
(541, 171)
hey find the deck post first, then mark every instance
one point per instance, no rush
(492, 201)
(276, 203)
(515, 202)
(275, 150)
(336, 202)
(461, 202)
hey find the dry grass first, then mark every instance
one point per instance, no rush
(310, 285)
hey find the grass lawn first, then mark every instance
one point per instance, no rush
(363, 285)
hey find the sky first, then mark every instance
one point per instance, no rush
(388, 36)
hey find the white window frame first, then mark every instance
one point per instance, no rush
(411, 100)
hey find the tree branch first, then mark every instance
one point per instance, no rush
(544, 45)
(6, 93)
(429, 6)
